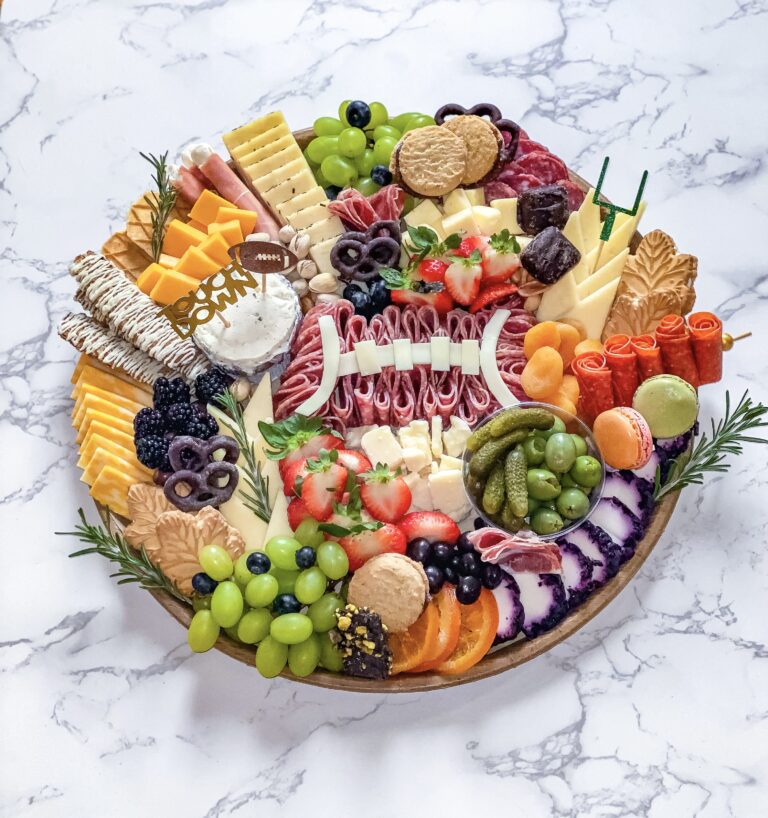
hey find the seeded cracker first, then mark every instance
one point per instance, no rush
(484, 146)
(362, 639)
(429, 162)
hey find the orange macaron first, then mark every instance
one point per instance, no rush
(623, 437)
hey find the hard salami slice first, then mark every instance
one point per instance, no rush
(648, 356)
(707, 341)
(353, 209)
(674, 339)
(364, 401)
(595, 384)
(622, 361)
(388, 202)
(543, 165)
(518, 179)
(575, 194)
(525, 146)
(499, 190)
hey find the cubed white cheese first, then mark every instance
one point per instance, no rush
(462, 223)
(436, 441)
(447, 463)
(416, 458)
(488, 219)
(448, 494)
(508, 210)
(416, 436)
(456, 201)
(421, 498)
(425, 212)
(455, 438)
(367, 359)
(381, 446)
(476, 195)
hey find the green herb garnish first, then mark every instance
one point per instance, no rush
(133, 565)
(728, 437)
(422, 242)
(162, 203)
(504, 242)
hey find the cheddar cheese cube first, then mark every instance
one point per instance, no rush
(171, 261)
(230, 231)
(172, 286)
(201, 226)
(179, 236)
(247, 218)
(215, 247)
(206, 207)
(151, 275)
(196, 264)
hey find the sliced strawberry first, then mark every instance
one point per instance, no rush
(432, 269)
(469, 245)
(353, 461)
(310, 449)
(462, 278)
(295, 437)
(432, 525)
(385, 494)
(500, 258)
(360, 547)
(324, 484)
(490, 294)
(291, 473)
(297, 511)
(441, 301)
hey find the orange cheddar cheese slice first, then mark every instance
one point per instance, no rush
(119, 407)
(97, 441)
(102, 458)
(179, 236)
(246, 218)
(206, 207)
(151, 275)
(108, 431)
(172, 286)
(231, 231)
(196, 264)
(215, 247)
(94, 415)
(201, 226)
(169, 262)
(110, 382)
(111, 489)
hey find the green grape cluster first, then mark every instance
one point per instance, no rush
(285, 610)
(354, 149)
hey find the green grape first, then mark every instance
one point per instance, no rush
(304, 657)
(332, 560)
(379, 114)
(366, 186)
(285, 579)
(366, 162)
(216, 562)
(409, 203)
(201, 603)
(418, 121)
(232, 633)
(322, 146)
(308, 532)
(291, 628)
(310, 585)
(203, 632)
(352, 142)
(282, 551)
(330, 656)
(254, 626)
(323, 612)
(343, 112)
(312, 164)
(242, 575)
(271, 657)
(382, 149)
(386, 130)
(319, 178)
(400, 120)
(327, 126)
(227, 604)
(261, 590)
(338, 170)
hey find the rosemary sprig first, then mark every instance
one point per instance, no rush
(257, 498)
(133, 566)
(728, 437)
(163, 202)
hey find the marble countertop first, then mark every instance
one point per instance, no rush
(659, 707)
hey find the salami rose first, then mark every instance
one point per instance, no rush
(648, 356)
(622, 361)
(707, 341)
(595, 384)
(674, 339)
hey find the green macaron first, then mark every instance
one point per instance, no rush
(668, 403)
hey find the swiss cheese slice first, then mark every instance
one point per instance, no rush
(592, 311)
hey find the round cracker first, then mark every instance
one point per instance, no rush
(484, 145)
(430, 161)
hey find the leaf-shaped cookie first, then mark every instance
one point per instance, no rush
(640, 314)
(657, 265)
(215, 530)
(145, 505)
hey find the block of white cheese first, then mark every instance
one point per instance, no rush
(381, 446)
(488, 219)
(448, 494)
(447, 463)
(456, 201)
(425, 212)
(321, 255)
(462, 223)
(508, 210)
(455, 437)
(592, 311)
(416, 440)
(476, 196)
(589, 217)
(558, 299)
(421, 498)
(416, 458)
(436, 436)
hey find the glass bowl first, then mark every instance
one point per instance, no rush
(573, 425)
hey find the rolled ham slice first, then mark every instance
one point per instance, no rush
(186, 184)
(674, 338)
(648, 356)
(707, 341)
(622, 361)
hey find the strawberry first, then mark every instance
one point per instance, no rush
(408, 289)
(500, 258)
(353, 461)
(385, 494)
(441, 301)
(469, 245)
(296, 437)
(297, 469)
(432, 269)
(490, 294)
(297, 511)
(362, 545)
(432, 525)
(462, 278)
(323, 485)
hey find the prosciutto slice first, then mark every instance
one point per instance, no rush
(516, 554)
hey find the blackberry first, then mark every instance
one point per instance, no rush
(152, 451)
(166, 392)
(203, 426)
(148, 422)
(212, 383)
(178, 416)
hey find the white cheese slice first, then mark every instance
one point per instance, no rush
(488, 219)
(462, 223)
(237, 514)
(278, 522)
(331, 357)
(455, 437)
(421, 498)
(403, 354)
(386, 355)
(613, 269)
(622, 233)
(321, 255)
(589, 217)
(259, 407)
(470, 357)
(348, 364)
(572, 231)
(425, 212)
(488, 366)
(593, 311)
(448, 494)
(354, 436)
(415, 458)
(508, 210)
(440, 353)
(422, 353)
(380, 446)
(322, 231)
(455, 354)
(436, 436)
(586, 266)
(367, 359)
(456, 201)
(447, 462)
(419, 427)
(476, 195)
(558, 299)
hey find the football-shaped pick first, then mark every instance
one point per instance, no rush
(263, 256)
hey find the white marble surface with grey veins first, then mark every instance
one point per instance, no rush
(659, 707)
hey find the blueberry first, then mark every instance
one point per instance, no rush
(381, 175)
(380, 294)
(491, 576)
(436, 578)
(361, 302)
(358, 113)
(305, 557)
(468, 590)
(450, 575)
(442, 553)
(479, 523)
(464, 544)
(203, 584)
(470, 565)
(420, 550)
(286, 603)
(349, 289)
(332, 192)
(258, 562)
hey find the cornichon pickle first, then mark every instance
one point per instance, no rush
(493, 496)
(515, 470)
(485, 458)
(479, 438)
(509, 520)
(511, 419)
(475, 486)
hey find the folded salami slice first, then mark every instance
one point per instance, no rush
(575, 194)
(595, 384)
(353, 209)
(622, 361)
(519, 554)
(648, 356)
(388, 202)
(707, 341)
(674, 339)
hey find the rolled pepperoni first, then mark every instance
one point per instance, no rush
(707, 342)
(622, 361)
(674, 339)
(648, 356)
(595, 384)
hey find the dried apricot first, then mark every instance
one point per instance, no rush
(562, 401)
(590, 345)
(543, 374)
(570, 337)
(577, 325)
(545, 334)
(570, 388)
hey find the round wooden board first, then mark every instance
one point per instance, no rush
(501, 659)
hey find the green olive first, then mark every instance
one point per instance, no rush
(586, 471)
(573, 504)
(532, 505)
(546, 521)
(560, 452)
(542, 484)
(533, 447)
(580, 444)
